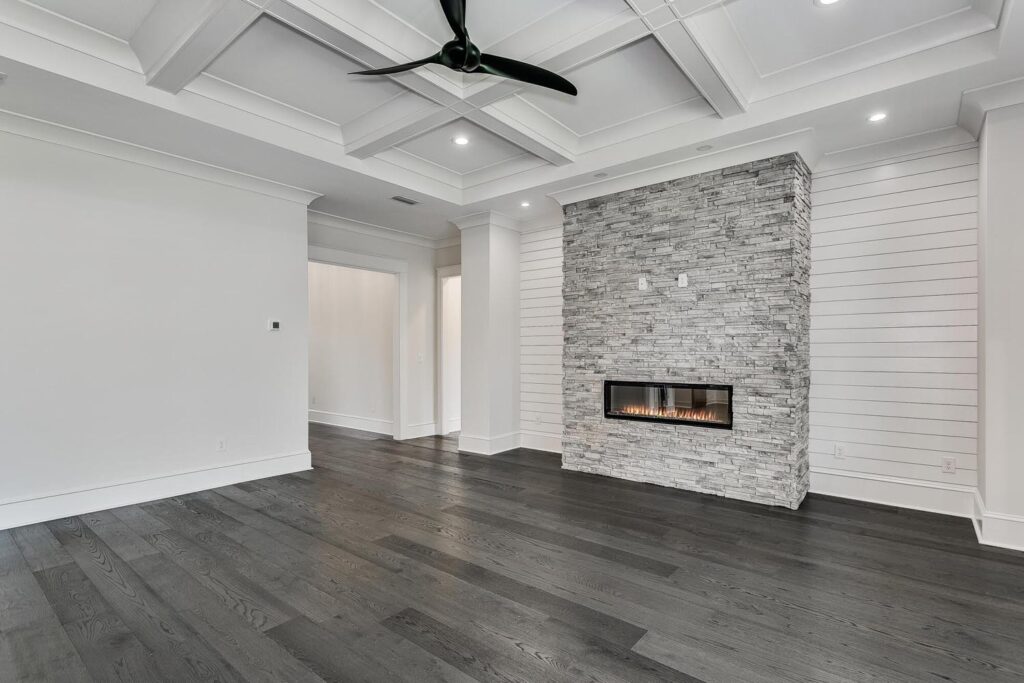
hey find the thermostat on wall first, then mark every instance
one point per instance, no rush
(274, 325)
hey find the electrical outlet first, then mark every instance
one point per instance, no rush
(949, 465)
(312, 401)
(840, 451)
(222, 445)
(644, 283)
(684, 280)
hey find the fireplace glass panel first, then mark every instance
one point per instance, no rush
(703, 405)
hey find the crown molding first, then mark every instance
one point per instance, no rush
(802, 142)
(951, 137)
(44, 131)
(360, 228)
(976, 104)
(486, 218)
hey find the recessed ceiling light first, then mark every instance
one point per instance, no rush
(705, 148)
(600, 175)
(878, 116)
(460, 140)
(525, 205)
(825, 3)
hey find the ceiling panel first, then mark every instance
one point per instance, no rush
(784, 33)
(119, 18)
(484, 148)
(274, 60)
(488, 21)
(633, 81)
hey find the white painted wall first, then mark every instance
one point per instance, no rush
(135, 332)
(540, 302)
(451, 320)
(422, 262)
(894, 329)
(1001, 513)
(351, 347)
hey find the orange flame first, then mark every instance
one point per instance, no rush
(692, 414)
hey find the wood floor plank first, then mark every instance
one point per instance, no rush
(108, 648)
(33, 645)
(181, 653)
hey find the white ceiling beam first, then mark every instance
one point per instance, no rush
(180, 38)
(401, 119)
(671, 22)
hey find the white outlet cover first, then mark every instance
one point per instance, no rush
(840, 451)
(684, 280)
(644, 284)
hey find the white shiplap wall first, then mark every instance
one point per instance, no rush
(894, 329)
(541, 339)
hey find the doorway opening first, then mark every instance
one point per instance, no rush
(449, 350)
(352, 327)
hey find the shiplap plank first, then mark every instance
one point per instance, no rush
(923, 257)
(896, 365)
(944, 271)
(895, 245)
(922, 411)
(925, 226)
(919, 380)
(915, 181)
(956, 397)
(910, 304)
(894, 334)
(912, 319)
(915, 456)
(895, 200)
(962, 477)
(892, 169)
(895, 290)
(845, 435)
(905, 425)
(897, 350)
(896, 215)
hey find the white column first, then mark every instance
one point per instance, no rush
(490, 333)
(1001, 348)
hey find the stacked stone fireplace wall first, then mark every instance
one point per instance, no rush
(742, 236)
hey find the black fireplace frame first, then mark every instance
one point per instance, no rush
(609, 415)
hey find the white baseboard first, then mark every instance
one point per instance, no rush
(489, 445)
(996, 528)
(541, 442)
(71, 503)
(454, 425)
(366, 424)
(416, 431)
(946, 499)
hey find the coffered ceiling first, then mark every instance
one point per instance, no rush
(666, 86)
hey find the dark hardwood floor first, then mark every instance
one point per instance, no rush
(408, 561)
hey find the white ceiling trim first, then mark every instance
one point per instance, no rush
(44, 131)
(360, 228)
(976, 104)
(802, 141)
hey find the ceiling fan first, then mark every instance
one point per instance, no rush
(462, 55)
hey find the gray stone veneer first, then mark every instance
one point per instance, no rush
(742, 235)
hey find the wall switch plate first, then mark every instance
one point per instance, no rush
(222, 445)
(949, 465)
(274, 325)
(644, 283)
(840, 451)
(684, 280)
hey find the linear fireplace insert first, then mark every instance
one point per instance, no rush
(703, 405)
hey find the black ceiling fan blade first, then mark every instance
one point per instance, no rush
(455, 13)
(528, 73)
(398, 68)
